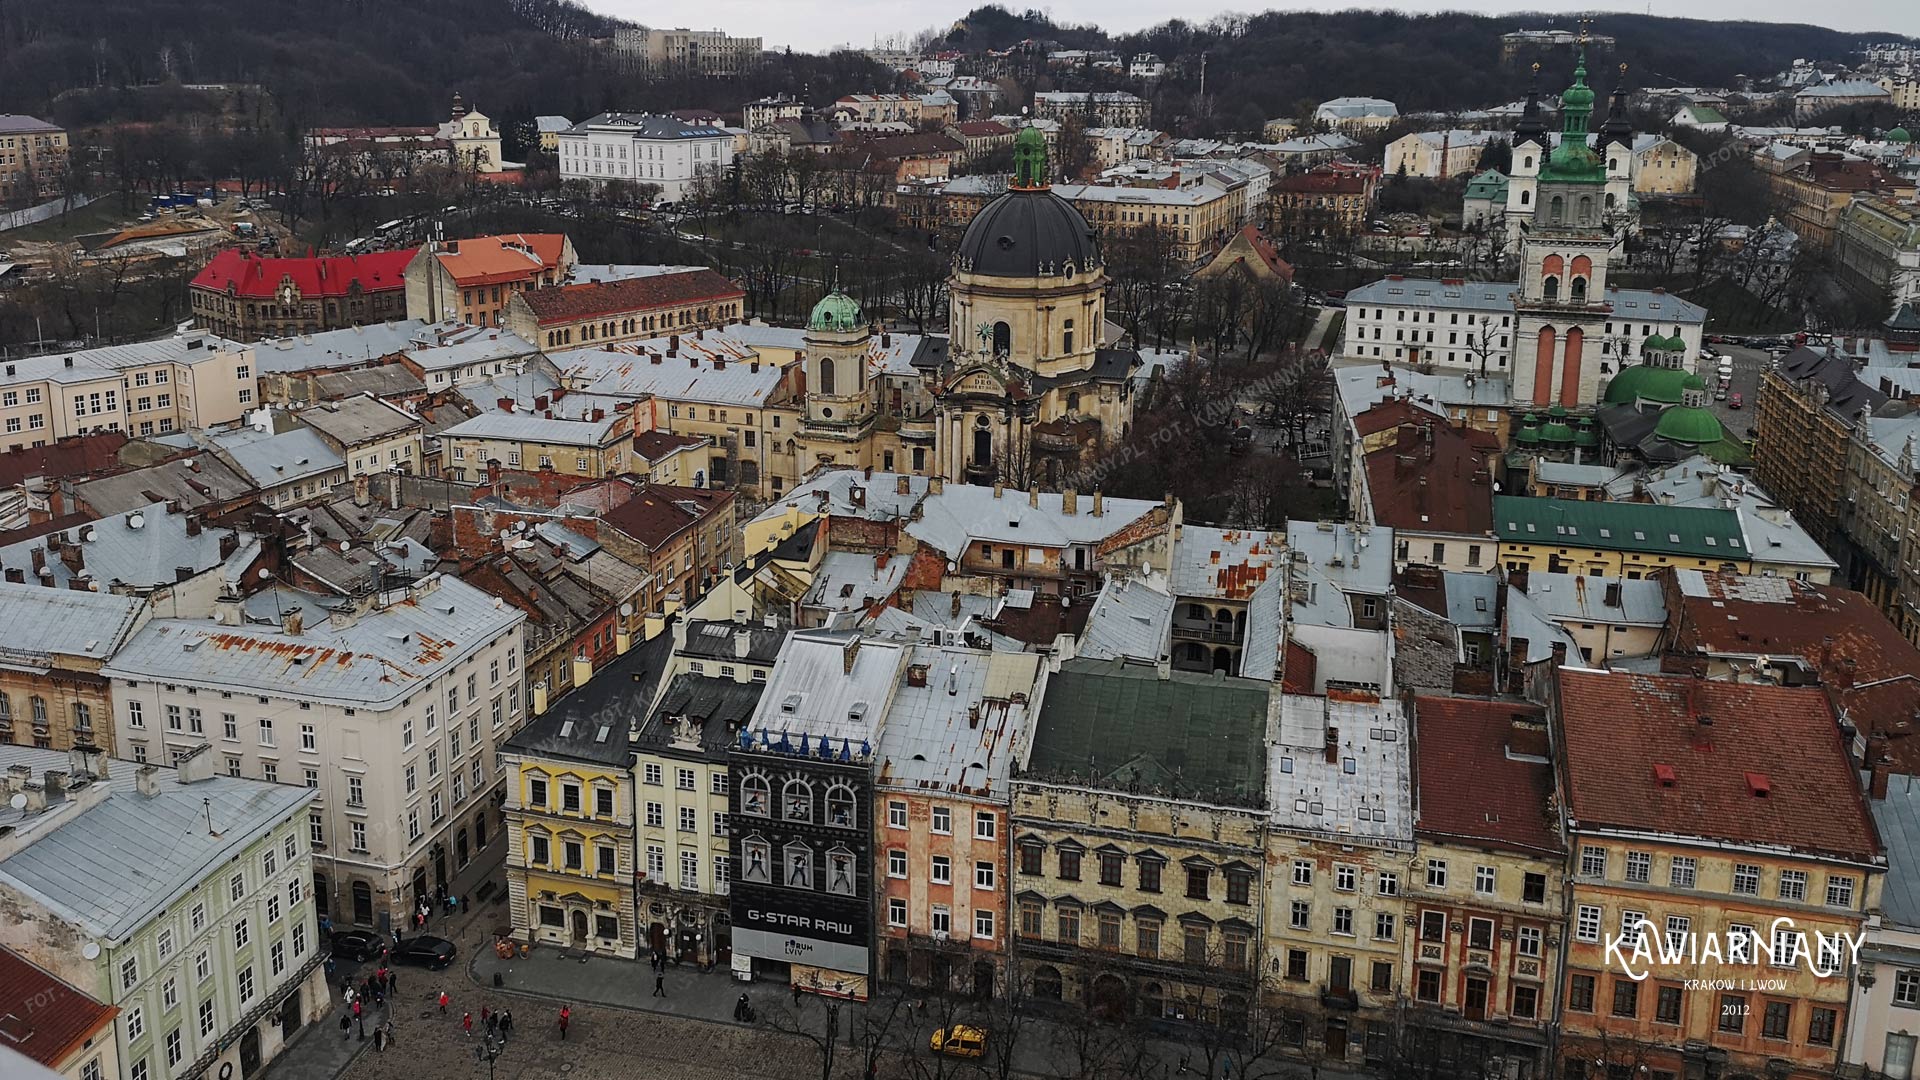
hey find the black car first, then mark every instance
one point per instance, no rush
(357, 945)
(426, 951)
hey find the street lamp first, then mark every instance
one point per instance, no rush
(489, 1050)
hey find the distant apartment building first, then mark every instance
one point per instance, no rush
(471, 280)
(33, 158)
(1321, 202)
(55, 641)
(1109, 109)
(190, 380)
(688, 52)
(242, 296)
(1818, 191)
(1356, 114)
(1877, 247)
(591, 447)
(1437, 155)
(640, 148)
(767, 110)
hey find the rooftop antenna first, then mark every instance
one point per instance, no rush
(207, 806)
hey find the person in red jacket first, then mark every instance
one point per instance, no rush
(566, 1016)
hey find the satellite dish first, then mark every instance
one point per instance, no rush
(265, 573)
(626, 611)
(91, 950)
(19, 801)
(345, 545)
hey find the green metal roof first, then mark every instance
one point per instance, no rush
(1694, 426)
(1114, 725)
(835, 311)
(1899, 134)
(1491, 184)
(1653, 528)
(1644, 382)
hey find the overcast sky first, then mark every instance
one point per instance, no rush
(814, 25)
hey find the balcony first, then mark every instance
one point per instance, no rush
(1342, 998)
(1217, 633)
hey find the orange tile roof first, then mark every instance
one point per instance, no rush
(492, 260)
(43, 1017)
(1483, 775)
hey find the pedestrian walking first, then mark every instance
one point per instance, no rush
(379, 1040)
(659, 984)
(466, 1022)
(346, 1026)
(388, 1027)
(741, 1008)
(796, 994)
(566, 1016)
(506, 1023)
(443, 1003)
(393, 980)
(493, 1025)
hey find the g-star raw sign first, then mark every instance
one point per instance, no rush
(782, 922)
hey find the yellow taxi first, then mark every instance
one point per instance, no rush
(959, 1041)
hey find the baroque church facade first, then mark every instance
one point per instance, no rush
(1021, 392)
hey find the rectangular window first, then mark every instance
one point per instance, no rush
(1483, 879)
(942, 870)
(1839, 891)
(896, 911)
(942, 820)
(1626, 997)
(1069, 864)
(1639, 866)
(1303, 872)
(1667, 1005)
(1526, 941)
(1110, 863)
(1733, 1013)
(1533, 889)
(1383, 926)
(1298, 914)
(1793, 885)
(1776, 1020)
(983, 875)
(1580, 994)
(1389, 884)
(896, 815)
(1343, 921)
(985, 825)
(1681, 874)
(1746, 879)
(896, 863)
(1346, 878)
(1436, 874)
(1906, 988)
(1821, 1024)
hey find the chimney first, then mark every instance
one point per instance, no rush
(16, 575)
(998, 487)
(1613, 594)
(1069, 502)
(917, 675)
(1518, 578)
(229, 543)
(955, 610)
(541, 402)
(1033, 498)
(1098, 503)
(1877, 784)
(936, 484)
(34, 791)
(196, 766)
(227, 611)
(86, 759)
(292, 623)
(653, 358)
(693, 362)
(742, 644)
(868, 472)
(903, 486)
(973, 716)
(55, 782)
(74, 557)
(857, 495)
(505, 404)
(147, 781)
(40, 560)
(361, 487)
(1333, 745)
(193, 524)
(493, 474)
(1559, 654)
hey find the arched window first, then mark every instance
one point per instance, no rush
(1002, 339)
(1611, 202)
(756, 858)
(1526, 198)
(1577, 290)
(1073, 401)
(796, 866)
(1613, 164)
(1557, 210)
(840, 806)
(826, 375)
(755, 796)
(1586, 209)
(840, 871)
(796, 801)
(1550, 288)
(1527, 162)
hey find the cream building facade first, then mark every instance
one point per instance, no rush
(187, 381)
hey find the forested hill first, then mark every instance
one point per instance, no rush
(356, 61)
(1277, 59)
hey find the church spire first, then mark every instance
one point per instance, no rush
(1576, 103)
(1618, 127)
(1532, 126)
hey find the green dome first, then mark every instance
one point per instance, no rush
(1899, 134)
(1694, 382)
(1656, 343)
(1029, 159)
(1556, 431)
(1558, 412)
(1644, 382)
(1529, 430)
(1584, 435)
(1697, 427)
(836, 311)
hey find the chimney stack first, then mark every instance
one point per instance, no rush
(292, 623)
(1333, 745)
(1098, 503)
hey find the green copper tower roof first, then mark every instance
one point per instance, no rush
(836, 311)
(1572, 160)
(1030, 159)
(1694, 426)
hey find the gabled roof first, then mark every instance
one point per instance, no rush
(1483, 774)
(1652, 528)
(1766, 769)
(43, 1017)
(592, 299)
(1433, 478)
(658, 512)
(244, 274)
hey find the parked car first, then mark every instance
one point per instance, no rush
(357, 945)
(1734, 402)
(426, 951)
(1721, 393)
(960, 1041)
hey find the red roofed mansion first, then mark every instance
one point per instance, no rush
(246, 298)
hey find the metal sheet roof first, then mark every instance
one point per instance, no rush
(37, 620)
(958, 731)
(1129, 620)
(110, 867)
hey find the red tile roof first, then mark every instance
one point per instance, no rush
(980, 129)
(1616, 727)
(593, 299)
(654, 445)
(244, 274)
(1322, 183)
(43, 1017)
(1482, 773)
(493, 260)
(73, 456)
(1433, 478)
(1872, 672)
(1391, 414)
(659, 512)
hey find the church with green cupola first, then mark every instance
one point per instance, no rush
(1021, 391)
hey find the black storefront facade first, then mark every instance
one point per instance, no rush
(801, 899)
